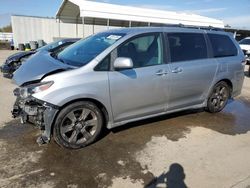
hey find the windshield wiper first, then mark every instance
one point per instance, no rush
(55, 56)
(62, 60)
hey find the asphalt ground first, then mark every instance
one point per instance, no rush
(191, 148)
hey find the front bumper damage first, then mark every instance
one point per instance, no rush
(40, 113)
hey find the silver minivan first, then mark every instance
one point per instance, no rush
(124, 75)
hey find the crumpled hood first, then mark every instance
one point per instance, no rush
(36, 67)
(19, 55)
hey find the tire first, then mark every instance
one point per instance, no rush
(21, 47)
(78, 125)
(41, 43)
(218, 98)
(33, 45)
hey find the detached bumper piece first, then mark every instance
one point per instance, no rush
(7, 71)
(40, 113)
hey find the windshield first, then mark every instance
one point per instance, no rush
(85, 50)
(50, 46)
(245, 41)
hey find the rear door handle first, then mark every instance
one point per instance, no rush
(177, 70)
(161, 73)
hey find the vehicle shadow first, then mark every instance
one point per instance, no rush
(174, 178)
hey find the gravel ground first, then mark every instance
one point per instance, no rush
(191, 148)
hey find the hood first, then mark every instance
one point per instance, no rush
(37, 67)
(19, 55)
(245, 47)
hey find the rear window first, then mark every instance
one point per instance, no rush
(245, 41)
(222, 45)
(187, 46)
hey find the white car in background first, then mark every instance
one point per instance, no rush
(245, 46)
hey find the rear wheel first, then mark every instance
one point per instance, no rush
(218, 98)
(78, 125)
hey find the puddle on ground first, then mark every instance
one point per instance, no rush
(110, 157)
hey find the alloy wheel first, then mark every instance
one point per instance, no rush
(78, 126)
(219, 97)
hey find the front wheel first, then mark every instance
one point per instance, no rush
(218, 98)
(78, 125)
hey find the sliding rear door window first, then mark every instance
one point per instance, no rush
(222, 45)
(187, 46)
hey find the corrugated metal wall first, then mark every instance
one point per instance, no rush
(26, 29)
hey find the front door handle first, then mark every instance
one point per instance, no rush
(177, 70)
(161, 73)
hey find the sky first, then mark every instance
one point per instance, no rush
(232, 12)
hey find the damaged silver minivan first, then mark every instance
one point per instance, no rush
(125, 75)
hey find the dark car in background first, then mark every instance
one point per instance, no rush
(13, 62)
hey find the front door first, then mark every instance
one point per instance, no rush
(140, 91)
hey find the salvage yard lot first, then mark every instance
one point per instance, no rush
(191, 148)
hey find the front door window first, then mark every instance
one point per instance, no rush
(143, 50)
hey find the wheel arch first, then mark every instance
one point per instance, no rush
(100, 105)
(229, 83)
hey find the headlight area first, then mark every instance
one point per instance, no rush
(27, 91)
(33, 110)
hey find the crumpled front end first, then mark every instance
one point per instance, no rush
(30, 109)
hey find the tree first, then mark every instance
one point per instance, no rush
(7, 29)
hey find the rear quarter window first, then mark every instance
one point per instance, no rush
(222, 45)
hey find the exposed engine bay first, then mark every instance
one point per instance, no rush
(34, 111)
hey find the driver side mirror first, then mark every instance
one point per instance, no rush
(123, 63)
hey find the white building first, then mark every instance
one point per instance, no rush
(81, 18)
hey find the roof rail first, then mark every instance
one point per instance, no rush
(211, 28)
